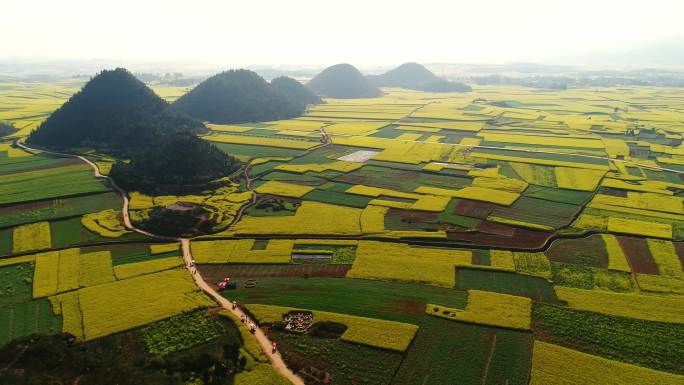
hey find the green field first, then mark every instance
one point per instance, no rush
(386, 300)
(447, 352)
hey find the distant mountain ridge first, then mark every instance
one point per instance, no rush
(343, 81)
(242, 96)
(113, 111)
(416, 77)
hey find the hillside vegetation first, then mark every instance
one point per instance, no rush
(178, 162)
(241, 96)
(113, 111)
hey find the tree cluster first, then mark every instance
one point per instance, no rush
(177, 163)
(113, 360)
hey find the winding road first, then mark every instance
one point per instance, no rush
(275, 358)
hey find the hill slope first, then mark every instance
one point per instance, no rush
(241, 96)
(343, 81)
(416, 77)
(293, 89)
(114, 110)
(165, 167)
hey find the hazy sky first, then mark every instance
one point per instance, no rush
(320, 32)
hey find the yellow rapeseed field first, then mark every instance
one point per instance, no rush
(578, 178)
(17, 260)
(489, 308)
(398, 261)
(535, 174)
(164, 248)
(647, 307)
(34, 236)
(311, 218)
(660, 284)
(105, 223)
(536, 264)
(46, 274)
(553, 364)
(68, 306)
(475, 193)
(285, 189)
(263, 141)
(616, 257)
(632, 226)
(666, 258)
(514, 222)
(502, 259)
(373, 219)
(340, 166)
(367, 331)
(96, 268)
(541, 140)
(242, 251)
(130, 270)
(122, 305)
(539, 161)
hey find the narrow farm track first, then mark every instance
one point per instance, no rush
(264, 342)
(275, 358)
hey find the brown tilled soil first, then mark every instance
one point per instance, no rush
(521, 238)
(216, 273)
(495, 229)
(590, 251)
(679, 246)
(639, 256)
(474, 209)
(413, 216)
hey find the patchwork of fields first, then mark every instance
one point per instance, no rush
(489, 237)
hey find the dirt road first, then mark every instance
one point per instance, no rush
(264, 342)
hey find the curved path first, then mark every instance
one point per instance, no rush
(264, 342)
(275, 358)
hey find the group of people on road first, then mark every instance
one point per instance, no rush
(250, 324)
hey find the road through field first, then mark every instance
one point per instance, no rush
(264, 342)
(275, 358)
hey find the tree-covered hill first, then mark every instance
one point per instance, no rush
(343, 81)
(242, 96)
(178, 163)
(113, 111)
(416, 77)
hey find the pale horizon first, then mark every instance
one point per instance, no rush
(366, 34)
